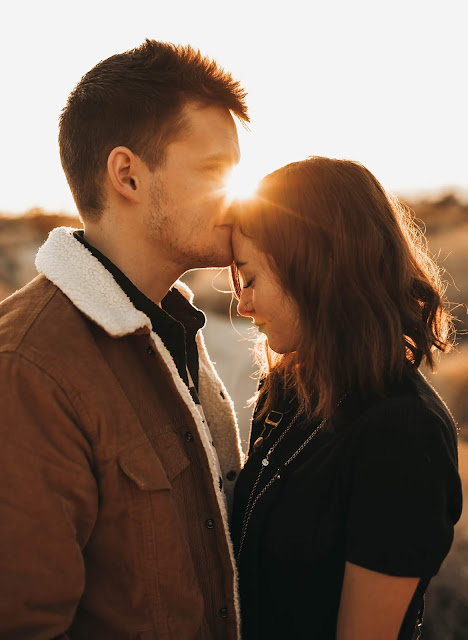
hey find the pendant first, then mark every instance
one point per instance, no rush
(258, 443)
(265, 462)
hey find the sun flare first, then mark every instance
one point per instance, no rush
(242, 183)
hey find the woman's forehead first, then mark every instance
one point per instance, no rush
(243, 248)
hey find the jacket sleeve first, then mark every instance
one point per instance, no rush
(48, 502)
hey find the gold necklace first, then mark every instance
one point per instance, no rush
(265, 462)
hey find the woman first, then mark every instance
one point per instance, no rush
(346, 505)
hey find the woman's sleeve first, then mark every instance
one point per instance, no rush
(405, 493)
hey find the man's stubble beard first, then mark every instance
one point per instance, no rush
(162, 227)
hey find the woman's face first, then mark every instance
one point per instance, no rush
(262, 297)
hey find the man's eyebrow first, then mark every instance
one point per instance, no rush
(229, 158)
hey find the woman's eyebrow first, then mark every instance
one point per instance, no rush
(240, 264)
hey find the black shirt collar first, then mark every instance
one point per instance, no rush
(176, 322)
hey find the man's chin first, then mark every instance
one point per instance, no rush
(219, 263)
(212, 260)
(219, 258)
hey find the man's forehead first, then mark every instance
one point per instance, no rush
(213, 129)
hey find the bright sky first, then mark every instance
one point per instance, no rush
(379, 82)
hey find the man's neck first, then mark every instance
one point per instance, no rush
(149, 271)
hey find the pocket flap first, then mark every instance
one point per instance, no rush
(171, 454)
(142, 465)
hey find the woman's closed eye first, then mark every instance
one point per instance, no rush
(248, 283)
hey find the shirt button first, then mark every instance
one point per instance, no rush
(188, 436)
(209, 524)
(231, 475)
(150, 351)
(223, 612)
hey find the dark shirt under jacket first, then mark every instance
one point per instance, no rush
(176, 322)
(381, 490)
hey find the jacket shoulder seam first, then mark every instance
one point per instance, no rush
(70, 393)
(39, 309)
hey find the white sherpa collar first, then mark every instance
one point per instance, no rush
(74, 270)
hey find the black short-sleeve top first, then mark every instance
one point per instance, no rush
(380, 490)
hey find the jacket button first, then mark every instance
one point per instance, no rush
(223, 612)
(150, 351)
(188, 436)
(231, 475)
(209, 524)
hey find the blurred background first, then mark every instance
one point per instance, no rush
(374, 82)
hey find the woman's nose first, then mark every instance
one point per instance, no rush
(245, 306)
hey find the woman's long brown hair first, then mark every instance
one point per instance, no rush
(370, 298)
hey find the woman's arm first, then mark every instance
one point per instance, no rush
(372, 605)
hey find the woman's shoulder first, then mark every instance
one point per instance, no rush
(403, 482)
(411, 414)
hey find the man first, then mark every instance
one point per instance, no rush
(119, 447)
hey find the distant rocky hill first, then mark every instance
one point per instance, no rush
(20, 238)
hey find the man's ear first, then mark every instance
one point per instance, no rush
(124, 169)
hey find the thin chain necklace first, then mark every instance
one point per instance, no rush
(265, 462)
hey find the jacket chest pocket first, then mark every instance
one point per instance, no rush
(144, 466)
(156, 530)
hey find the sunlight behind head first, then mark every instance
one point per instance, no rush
(242, 182)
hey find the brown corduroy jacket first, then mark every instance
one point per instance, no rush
(112, 522)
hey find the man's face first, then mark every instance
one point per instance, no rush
(188, 204)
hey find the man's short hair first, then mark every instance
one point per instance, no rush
(136, 99)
